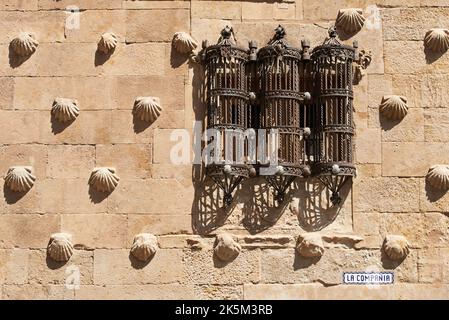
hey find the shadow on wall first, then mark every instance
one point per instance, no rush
(314, 208)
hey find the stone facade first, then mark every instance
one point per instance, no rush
(390, 195)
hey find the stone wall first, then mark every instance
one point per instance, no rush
(389, 196)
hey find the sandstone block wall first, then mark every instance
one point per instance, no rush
(389, 196)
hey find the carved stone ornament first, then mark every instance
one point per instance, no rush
(104, 179)
(184, 43)
(396, 247)
(226, 249)
(107, 43)
(360, 66)
(437, 40)
(394, 107)
(60, 247)
(65, 110)
(147, 109)
(310, 245)
(438, 176)
(144, 246)
(350, 20)
(20, 178)
(25, 44)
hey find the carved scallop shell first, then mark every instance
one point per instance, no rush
(437, 40)
(104, 179)
(226, 249)
(60, 247)
(396, 247)
(350, 20)
(438, 176)
(20, 178)
(65, 110)
(310, 245)
(25, 44)
(183, 42)
(147, 109)
(394, 107)
(107, 43)
(144, 246)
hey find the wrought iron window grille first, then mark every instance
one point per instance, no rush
(304, 96)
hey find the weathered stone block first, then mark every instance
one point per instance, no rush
(433, 265)
(115, 267)
(93, 23)
(141, 24)
(368, 145)
(202, 267)
(169, 89)
(427, 230)
(159, 224)
(410, 129)
(90, 127)
(14, 266)
(412, 23)
(24, 155)
(408, 57)
(27, 231)
(132, 161)
(39, 93)
(172, 291)
(96, 230)
(216, 9)
(47, 26)
(125, 131)
(147, 195)
(407, 159)
(436, 127)
(420, 291)
(19, 127)
(433, 200)
(44, 271)
(386, 195)
(81, 4)
(19, 5)
(37, 292)
(218, 292)
(6, 93)
(65, 161)
(174, 4)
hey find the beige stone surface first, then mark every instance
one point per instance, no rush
(407, 159)
(141, 24)
(96, 231)
(43, 271)
(386, 194)
(27, 231)
(115, 267)
(14, 266)
(82, 160)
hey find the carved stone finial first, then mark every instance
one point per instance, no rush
(226, 249)
(310, 245)
(147, 109)
(350, 20)
(394, 107)
(361, 64)
(437, 40)
(65, 110)
(144, 246)
(184, 43)
(104, 179)
(438, 176)
(25, 44)
(20, 178)
(60, 247)
(396, 247)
